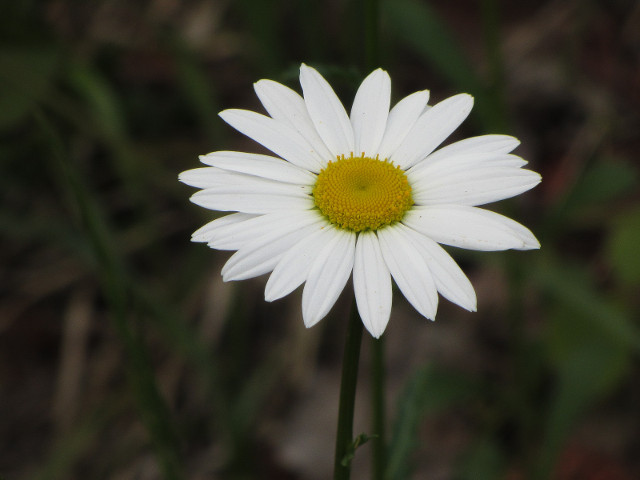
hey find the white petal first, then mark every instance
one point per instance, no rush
(235, 235)
(263, 166)
(287, 106)
(262, 254)
(476, 186)
(409, 270)
(293, 268)
(326, 112)
(370, 111)
(211, 177)
(204, 233)
(482, 144)
(436, 166)
(371, 284)
(230, 200)
(470, 227)
(431, 129)
(401, 120)
(249, 194)
(449, 278)
(328, 276)
(203, 177)
(277, 136)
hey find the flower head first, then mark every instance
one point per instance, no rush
(366, 193)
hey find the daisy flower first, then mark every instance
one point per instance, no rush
(365, 194)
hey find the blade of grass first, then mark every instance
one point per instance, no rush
(263, 19)
(428, 390)
(103, 107)
(590, 364)
(26, 73)
(152, 408)
(197, 88)
(172, 327)
(570, 285)
(419, 27)
(78, 442)
(490, 14)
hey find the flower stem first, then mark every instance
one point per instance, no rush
(348, 383)
(378, 408)
(379, 460)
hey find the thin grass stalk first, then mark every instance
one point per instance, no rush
(152, 408)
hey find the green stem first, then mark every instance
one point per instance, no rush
(378, 408)
(379, 460)
(344, 435)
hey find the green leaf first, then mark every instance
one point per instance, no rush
(589, 364)
(100, 98)
(429, 390)
(590, 342)
(197, 88)
(622, 246)
(587, 359)
(604, 181)
(483, 461)
(571, 286)
(419, 27)
(353, 446)
(26, 73)
(104, 111)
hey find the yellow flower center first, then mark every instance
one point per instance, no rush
(362, 193)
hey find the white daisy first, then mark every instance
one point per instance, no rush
(366, 193)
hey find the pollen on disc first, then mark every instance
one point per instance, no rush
(362, 193)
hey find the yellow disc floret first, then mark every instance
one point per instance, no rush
(362, 193)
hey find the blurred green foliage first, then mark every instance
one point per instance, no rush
(103, 103)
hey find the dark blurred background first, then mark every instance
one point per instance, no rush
(124, 356)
